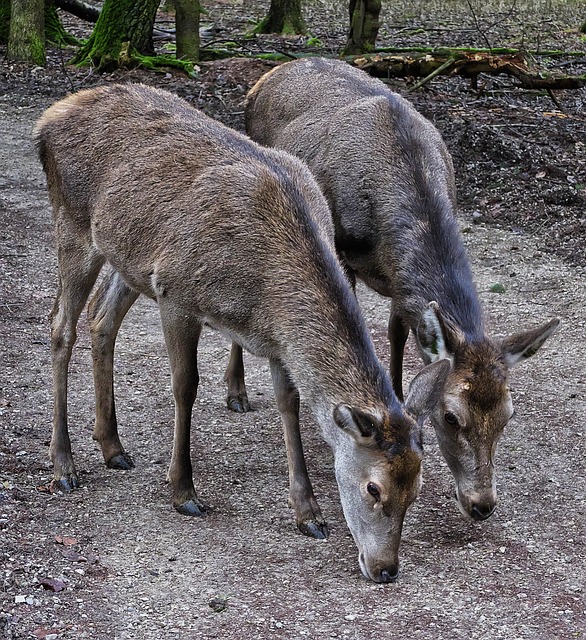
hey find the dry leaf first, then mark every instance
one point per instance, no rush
(66, 540)
(52, 584)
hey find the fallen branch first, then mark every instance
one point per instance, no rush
(445, 51)
(446, 67)
(464, 64)
(79, 9)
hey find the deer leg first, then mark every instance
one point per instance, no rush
(106, 311)
(79, 266)
(398, 333)
(181, 339)
(237, 399)
(307, 512)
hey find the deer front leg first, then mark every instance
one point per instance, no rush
(237, 399)
(307, 512)
(181, 338)
(398, 333)
(106, 312)
(78, 269)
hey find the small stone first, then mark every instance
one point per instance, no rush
(218, 604)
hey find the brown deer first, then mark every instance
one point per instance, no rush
(220, 231)
(389, 180)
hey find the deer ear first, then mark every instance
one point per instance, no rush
(437, 337)
(356, 423)
(520, 346)
(427, 388)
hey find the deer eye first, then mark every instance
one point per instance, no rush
(450, 418)
(373, 490)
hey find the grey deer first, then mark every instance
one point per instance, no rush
(389, 180)
(220, 231)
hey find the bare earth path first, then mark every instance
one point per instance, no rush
(132, 568)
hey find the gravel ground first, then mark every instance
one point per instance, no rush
(114, 560)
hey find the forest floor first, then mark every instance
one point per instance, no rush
(114, 560)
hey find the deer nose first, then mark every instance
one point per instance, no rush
(389, 576)
(482, 511)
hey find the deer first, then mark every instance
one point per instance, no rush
(389, 179)
(219, 231)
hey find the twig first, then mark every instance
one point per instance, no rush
(553, 286)
(490, 26)
(517, 124)
(13, 304)
(287, 54)
(477, 24)
(448, 63)
(554, 100)
(64, 69)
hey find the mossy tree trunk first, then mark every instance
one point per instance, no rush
(4, 20)
(187, 29)
(364, 24)
(26, 36)
(284, 17)
(54, 31)
(122, 34)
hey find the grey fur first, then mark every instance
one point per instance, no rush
(389, 179)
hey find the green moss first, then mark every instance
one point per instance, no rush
(312, 41)
(36, 49)
(127, 56)
(290, 25)
(497, 287)
(260, 27)
(54, 31)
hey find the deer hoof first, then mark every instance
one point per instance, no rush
(192, 508)
(66, 483)
(121, 461)
(238, 403)
(317, 530)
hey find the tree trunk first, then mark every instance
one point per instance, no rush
(4, 20)
(364, 24)
(26, 37)
(284, 17)
(187, 29)
(55, 33)
(121, 35)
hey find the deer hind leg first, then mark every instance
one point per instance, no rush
(181, 338)
(301, 498)
(106, 312)
(79, 266)
(398, 333)
(237, 399)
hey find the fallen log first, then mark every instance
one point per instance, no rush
(79, 9)
(465, 64)
(448, 51)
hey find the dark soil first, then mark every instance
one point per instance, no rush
(113, 560)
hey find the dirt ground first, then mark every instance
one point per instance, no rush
(114, 560)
